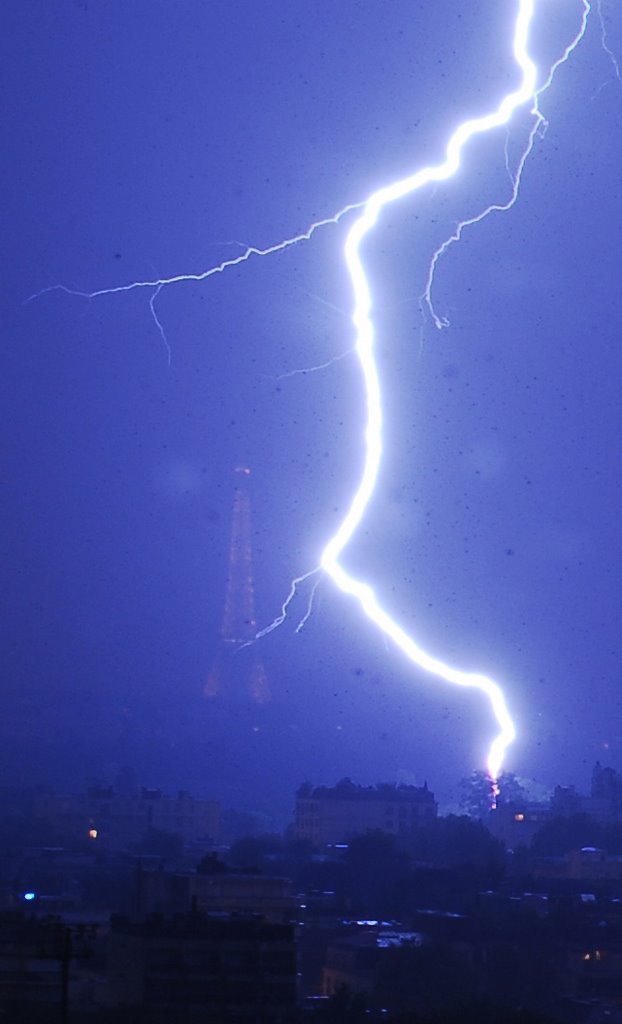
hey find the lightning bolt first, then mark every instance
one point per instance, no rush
(370, 211)
(362, 319)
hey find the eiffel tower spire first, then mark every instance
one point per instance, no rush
(238, 626)
(238, 620)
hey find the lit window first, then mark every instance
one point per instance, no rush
(519, 817)
(92, 833)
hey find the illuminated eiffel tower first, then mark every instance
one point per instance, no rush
(238, 626)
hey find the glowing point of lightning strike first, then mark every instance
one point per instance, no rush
(330, 560)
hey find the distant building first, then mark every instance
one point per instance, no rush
(334, 815)
(114, 820)
(604, 802)
(402, 969)
(352, 961)
(589, 864)
(515, 824)
(566, 802)
(607, 785)
(170, 892)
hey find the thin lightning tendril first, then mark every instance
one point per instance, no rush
(313, 369)
(426, 299)
(605, 44)
(307, 615)
(158, 322)
(364, 348)
(293, 590)
(203, 275)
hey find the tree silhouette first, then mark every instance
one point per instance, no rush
(478, 794)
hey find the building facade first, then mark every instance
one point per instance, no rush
(114, 820)
(226, 892)
(328, 815)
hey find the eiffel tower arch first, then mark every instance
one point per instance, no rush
(231, 675)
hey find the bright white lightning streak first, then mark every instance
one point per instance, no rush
(367, 220)
(364, 349)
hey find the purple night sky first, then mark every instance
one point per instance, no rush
(152, 139)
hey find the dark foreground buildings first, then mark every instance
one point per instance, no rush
(181, 969)
(203, 968)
